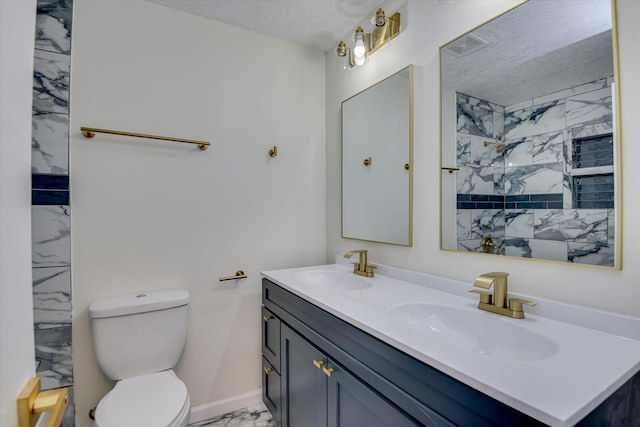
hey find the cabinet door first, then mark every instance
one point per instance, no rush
(271, 390)
(352, 403)
(304, 385)
(271, 338)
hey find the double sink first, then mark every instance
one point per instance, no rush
(553, 371)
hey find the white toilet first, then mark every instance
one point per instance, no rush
(138, 339)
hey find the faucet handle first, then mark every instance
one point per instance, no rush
(485, 297)
(515, 304)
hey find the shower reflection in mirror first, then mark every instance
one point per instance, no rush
(530, 124)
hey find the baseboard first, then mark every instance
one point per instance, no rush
(220, 407)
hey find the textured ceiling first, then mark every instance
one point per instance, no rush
(319, 24)
(535, 49)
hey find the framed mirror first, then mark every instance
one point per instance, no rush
(529, 148)
(377, 150)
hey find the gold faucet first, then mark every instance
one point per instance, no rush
(361, 268)
(497, 302)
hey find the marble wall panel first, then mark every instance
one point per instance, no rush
(535, 179)
(611, 229)
(551, 250)
(50, 143)
(463, 219)
(51, 82)
(53, 357)
(591, 253)
(517, 247)
(53, 25)
(585, 131)
(519, 152)
(487, 222)
(549, 148)
(588, 108)
(535, 120)
(51, 297)
(577, 90)
(578, 225)
(518, 223)
(51, 236)
(475, 120)
(475, 180)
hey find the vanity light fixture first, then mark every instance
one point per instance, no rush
(364, 44)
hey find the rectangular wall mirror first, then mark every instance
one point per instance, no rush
(529, 148)
(377, 147)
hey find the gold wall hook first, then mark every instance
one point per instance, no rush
(239, 275)
(367, 161)
(273, 152)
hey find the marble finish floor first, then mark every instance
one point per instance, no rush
(253, 416)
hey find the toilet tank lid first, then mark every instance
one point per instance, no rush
(141, 302)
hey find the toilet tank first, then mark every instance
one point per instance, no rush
(140, 333)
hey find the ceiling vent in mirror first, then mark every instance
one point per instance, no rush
(466, 45)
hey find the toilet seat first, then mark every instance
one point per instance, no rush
(155, 400)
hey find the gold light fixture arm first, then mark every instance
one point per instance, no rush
(91, 132)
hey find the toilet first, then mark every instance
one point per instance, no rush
(137, 340)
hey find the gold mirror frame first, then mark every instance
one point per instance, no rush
(448, 169)
(367, 171)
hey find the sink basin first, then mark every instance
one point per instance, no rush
(331, 280)
(480, 332)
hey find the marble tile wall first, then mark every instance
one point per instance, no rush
(51, 220)
(522, 195)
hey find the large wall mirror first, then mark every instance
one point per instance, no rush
(377, 133)
(529, 149)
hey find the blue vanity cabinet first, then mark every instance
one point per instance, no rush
(271, 384)
(318, 392)
(379, 376)
(271, 338)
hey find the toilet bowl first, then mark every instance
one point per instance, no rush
(154, 400)
(138, 339)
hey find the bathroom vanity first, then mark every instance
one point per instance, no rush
(342, 350)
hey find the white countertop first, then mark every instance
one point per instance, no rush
(559, 390)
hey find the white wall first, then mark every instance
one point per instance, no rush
(431, 24)
(17, 29)
(151, 215)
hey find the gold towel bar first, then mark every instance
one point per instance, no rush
(91, 132)
(239, 275)
(32, 401)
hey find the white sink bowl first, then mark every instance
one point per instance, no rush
(480, 332)
(331, 280)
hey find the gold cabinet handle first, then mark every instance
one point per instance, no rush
(273, 152)
(407, 166)
(267, 370)
(318, 363)
(328, 372)
(367, 161)
(267, 318)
